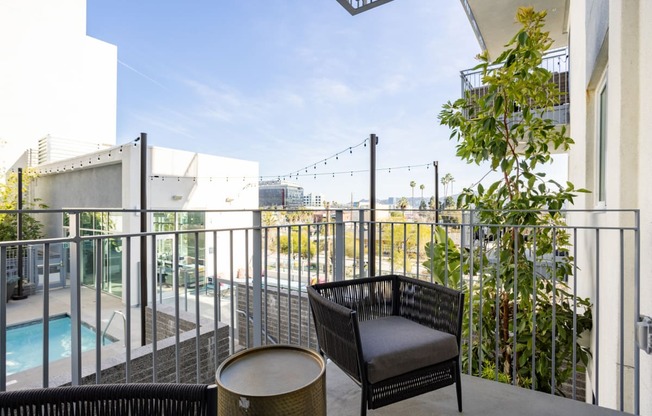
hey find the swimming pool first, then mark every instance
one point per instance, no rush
(25, 342)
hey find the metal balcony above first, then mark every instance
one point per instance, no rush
(358, 6)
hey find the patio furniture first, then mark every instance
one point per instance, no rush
(272, 380)
(395, 336)
(113, 399)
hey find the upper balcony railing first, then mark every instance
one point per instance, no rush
(556, 61)
(358, 6)
(236, 279)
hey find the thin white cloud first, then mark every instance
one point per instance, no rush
(131, 68)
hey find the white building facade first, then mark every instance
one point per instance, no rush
(55, 80)
(217, 189)
(313, 200)
(611, 60)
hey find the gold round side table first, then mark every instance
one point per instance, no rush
(272, 380)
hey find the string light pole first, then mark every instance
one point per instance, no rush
(143, 240)
(373, 141)
(19, 234)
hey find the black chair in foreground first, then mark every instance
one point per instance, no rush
(395, 336)
(148, 399)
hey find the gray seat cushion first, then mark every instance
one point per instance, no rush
(394, 345)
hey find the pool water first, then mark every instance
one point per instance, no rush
(25, 342)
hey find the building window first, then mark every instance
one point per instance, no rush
(602, 146)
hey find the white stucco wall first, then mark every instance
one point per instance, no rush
(54, 79)
(611, 37)
(644, 174)
(187, 180)
(176, 180)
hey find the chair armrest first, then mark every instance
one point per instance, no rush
(337, 332)
(432, 305)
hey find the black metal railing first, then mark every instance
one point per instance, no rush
(244, 279)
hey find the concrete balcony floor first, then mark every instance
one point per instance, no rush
(479, 397)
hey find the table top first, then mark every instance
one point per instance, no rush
(270, 370)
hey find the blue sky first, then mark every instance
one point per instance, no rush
(291, 83)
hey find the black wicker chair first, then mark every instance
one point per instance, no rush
(112, 399)
(395, 336)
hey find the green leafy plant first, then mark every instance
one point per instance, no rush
(32, 228)
(515, 278)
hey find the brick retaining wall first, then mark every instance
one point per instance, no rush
(274, 302)
(114, 368)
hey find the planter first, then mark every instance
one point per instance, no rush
(25, 290)
(10, 289)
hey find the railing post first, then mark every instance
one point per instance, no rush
(339, 245)
(361, 243)
(75, 297)
(257, 280)
(3, 318)
(371, 245)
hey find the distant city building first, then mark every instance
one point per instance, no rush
(313, 200)
(279, 193)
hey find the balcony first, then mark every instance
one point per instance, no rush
(358, 6)
(556, 61)
(238, 282)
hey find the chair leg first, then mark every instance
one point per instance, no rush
(363, 407)
(458, 385)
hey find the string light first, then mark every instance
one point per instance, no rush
(252, 180)
(297, 176)
(325, 160)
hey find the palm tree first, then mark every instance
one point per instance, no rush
(402, 203)
(422, 187)
(432, 203)
(448, 178)
(412, 185)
